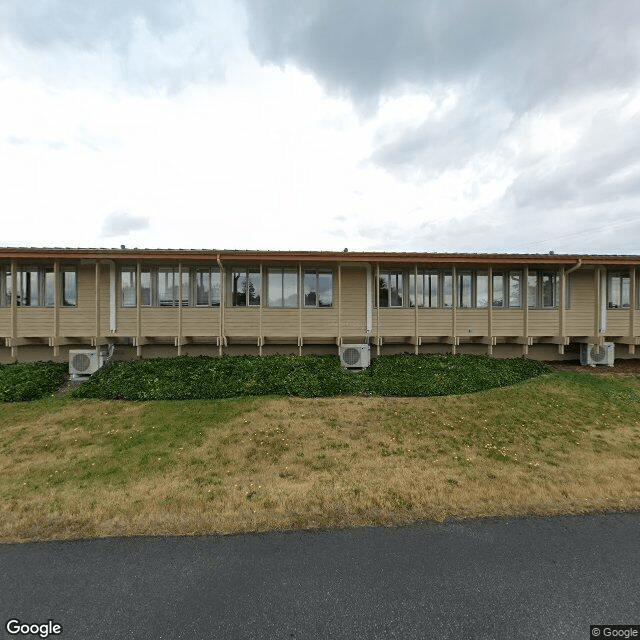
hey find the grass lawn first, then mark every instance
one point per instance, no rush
(562, 443)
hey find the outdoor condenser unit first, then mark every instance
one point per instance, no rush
(593, 354)
(84, 362)
(355, 356)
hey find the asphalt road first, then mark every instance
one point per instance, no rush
(500, 578)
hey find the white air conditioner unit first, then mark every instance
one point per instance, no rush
(355, 356)
(84, 362)
(593, 354)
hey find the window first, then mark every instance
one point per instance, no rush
(128, 286)
(618, 290)
(207, 287)
(35, 287)
(68, 288)
(473, 289)
(159, 286)
(168, 287)
(390, 290)
(506, 290)
(282, 288)
(5, 286)
(245, 287)
(433, 289)
(318, 288)
(542, 290)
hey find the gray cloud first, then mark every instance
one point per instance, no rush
(445, 142)
(142, 43)
(523, 52)
(122, 223)
(602, 169)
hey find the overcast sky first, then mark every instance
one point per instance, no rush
(421, 125)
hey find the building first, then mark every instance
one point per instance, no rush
(152, 303)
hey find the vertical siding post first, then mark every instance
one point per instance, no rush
(376, 293)
(596, 318)
(179, 308)
(415, 301)
(138, 308)
(14, 308)
(97, 345)
(262, 289)
(56, 308)
(525, 298)
(561, 307)
(632, 309)
(339, 304)
(223, 302)
(454, 303)
(490, 309)
(300, 306)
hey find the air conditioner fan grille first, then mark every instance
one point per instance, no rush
(351, 356)
(81, 362)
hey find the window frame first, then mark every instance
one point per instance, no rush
(399, 288)
(211, 271)
(279, 273)
(506, 277)
(540, 275)
(620, 276)
(316, 272)
(248, 272)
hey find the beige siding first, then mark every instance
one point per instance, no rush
(618, 322)
(396, 322)
(5, 321)
(435, 322)
(77, 322)
(507, 322)
(580, 318)
(472, 322)
(242, 321)
(126, 321)
(35, 321)
(353, 307)
(544, 322)
(320, 323)
(159, 321)
(200, 321)
(280, 322)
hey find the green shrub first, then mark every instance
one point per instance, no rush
(202, 377)
(440, 375)
(226, 377)
(30, 381)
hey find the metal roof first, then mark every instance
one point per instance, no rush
(235, 255)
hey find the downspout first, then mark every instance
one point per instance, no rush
(222, 302)
(369, 301)
(112, 294)
(574, 268)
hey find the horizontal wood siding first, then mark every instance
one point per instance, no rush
(203, 321)
(280, 322)
(544, 322)
(353, 312)
(126, 322)
(242, 321)
(5, 321)
(396, 322)
(434, 322)
(35, 321)
(472, 322)
(75, 323)
(618, 322)
(320, 323)
(160, 321)
(581, 317)
(507, 322)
